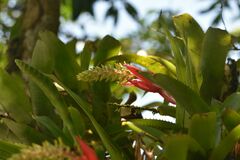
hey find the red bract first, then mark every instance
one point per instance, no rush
(143, 83)
(87, 152)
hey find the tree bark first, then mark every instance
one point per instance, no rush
(38, 15)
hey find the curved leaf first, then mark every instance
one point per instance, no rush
(184, 96)
(106, 140)
(107, 48)
(152, 63)
(7, 149)
(204, 124)
(226, 145)
(53, 128)
(160, 124)
(25, 133)
(230, 118)
(13, 98)
(216, 45)
(50, 91)
(178, 147)
(232, 101)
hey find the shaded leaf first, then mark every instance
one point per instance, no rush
(50, 91)
(216, 45)
(53, 128)
(230, 118)
(7, 149)
(204, 124)
(106, 140)
(13, 98)
(178, 147)
(184, 96)
(232, 101)
(226, 145)
(25, 133)
(107, 48)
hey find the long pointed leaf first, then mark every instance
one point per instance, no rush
(216, 45)
(106, 140)
(184, 96)
(50, 91)
(226, 145)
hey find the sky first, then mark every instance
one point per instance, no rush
(101, 27)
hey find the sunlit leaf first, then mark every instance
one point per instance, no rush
(192, 34)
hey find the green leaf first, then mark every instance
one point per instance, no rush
(24, 132)
(86, 55)
(50, 91)
(160, 124)
(204, 124)
(226, 145)
(178, 147)
(107, 48)
(7, 149)
(42, 60)
(193, 35)
(106, 140)
(232, 101)
(78, 120)
(53, 128)
(230, 118)
(184, 96)
(65, 64)
(177, 53)
(216, 45)
(152, 63)
(13, 98)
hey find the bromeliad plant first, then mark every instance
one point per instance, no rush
(76, 97)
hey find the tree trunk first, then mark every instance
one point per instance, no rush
(38, 15)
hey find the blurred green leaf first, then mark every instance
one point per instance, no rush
(178, 147)
(176, 51)
(65, 64)
(216, 45)
(160, 124)
(131, 10)
(7, 149)
(50, 91)
(192, 34)
(230, 118)
(79, 6)
(54, 129)
(114, 152)
(226, 145)
(232, 101)
(78, 120)
(203, 128)
(42, 60)
(108, 47)
(184, 96)
(25, 133)
(86, 55)
(152, 63)
(13, 97)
